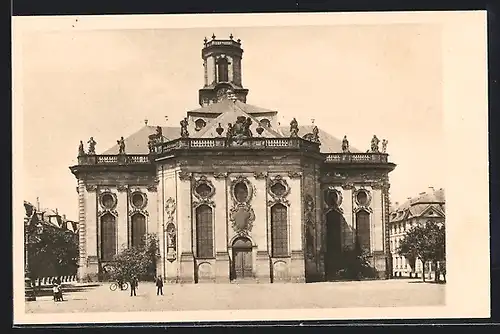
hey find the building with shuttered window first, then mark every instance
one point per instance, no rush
(232, 194)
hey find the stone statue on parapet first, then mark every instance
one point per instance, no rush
(121, 146)
(81, 150)
(92, 143)
(294, 128)
(345, 145)
(374, 146)
(155, 138)
(315, 133)
(229, 131)
(184, 128)
(384, 145)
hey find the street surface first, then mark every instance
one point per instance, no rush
(194, 297)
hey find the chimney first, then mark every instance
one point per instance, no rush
(431, 188)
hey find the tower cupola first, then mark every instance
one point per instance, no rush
(222, 70)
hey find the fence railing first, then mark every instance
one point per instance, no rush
(223, 143)
(117, 159)
(351, 158)
(247, 143)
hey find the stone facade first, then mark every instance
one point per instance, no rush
(244, 201)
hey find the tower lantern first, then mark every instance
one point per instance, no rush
(222, 70)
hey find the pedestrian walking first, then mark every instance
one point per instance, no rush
(134, 282)
(159, 285)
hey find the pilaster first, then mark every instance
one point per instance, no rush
(123, 218)
(184, 218)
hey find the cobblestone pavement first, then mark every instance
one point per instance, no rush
(192, 297)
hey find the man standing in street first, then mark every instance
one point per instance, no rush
(159, 285)
(134, 282)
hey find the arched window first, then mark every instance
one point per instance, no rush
(138, 229)
(108, 237)
(222, 70)
(204, 236)
(279, 230)
(363, 230)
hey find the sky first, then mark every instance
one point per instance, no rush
(354, 80)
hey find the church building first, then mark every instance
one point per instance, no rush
(232, 194)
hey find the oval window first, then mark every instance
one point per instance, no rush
(241, 192)
(278, 189)
(362, 198)
(137, 200)
(107, 201)
(331, 198)
(203, 190)
(265, 123)
(199, 124)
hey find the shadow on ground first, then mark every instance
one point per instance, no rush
(430, 282)
(47, 290)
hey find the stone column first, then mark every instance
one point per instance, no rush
(91, 232)
(184, 219)
(123, 218)
(297, 265)
(222, 266)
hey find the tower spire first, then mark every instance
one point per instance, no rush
(222, 70)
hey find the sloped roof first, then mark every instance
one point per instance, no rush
(419, 205)
(221, 107)
(329, 144)
(137, 143)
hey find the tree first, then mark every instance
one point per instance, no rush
(137, 261)
(54, 252)
(355, 264)
(425, 242)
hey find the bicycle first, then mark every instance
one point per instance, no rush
(113, 286)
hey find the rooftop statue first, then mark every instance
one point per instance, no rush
(121, 146)
(241, 129)
(345, 145)
(315, 134)
(375, 142)
(294, 128)
(184, 128)
(384, 145)
(92, 143)
(81, 150)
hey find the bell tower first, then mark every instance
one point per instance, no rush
(222, 70)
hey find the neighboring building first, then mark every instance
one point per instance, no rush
(427, 206)
(231, 194)
(47, 220)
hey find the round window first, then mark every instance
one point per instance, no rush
(108, 201)
(138, 200)
(278, 189)
(241, 192)
(362, 198)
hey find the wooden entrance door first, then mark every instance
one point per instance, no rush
(242, 258)
(243, 263)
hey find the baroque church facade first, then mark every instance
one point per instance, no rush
(232, 194)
